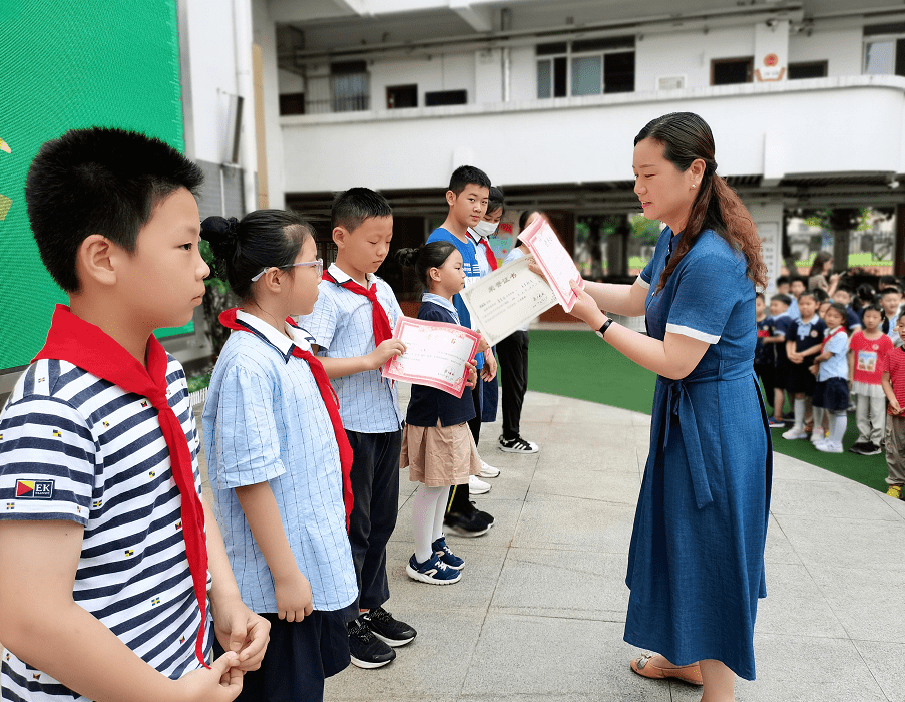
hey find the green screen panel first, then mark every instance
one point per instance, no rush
(66, 64)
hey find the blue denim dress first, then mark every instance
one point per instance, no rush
(696, 559)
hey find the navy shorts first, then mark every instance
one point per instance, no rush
(781, 373)
(800, 378)
(299, 657)
(831, 394)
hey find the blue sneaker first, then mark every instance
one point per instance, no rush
(433, 571)
(441, 550)
(776, 424)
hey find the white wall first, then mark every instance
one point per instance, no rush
(488, 76)
(824, 125)
(264, 32)
(523, 81)
(841, 47)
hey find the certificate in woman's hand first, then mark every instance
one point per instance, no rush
(507, 299)
(553, 259)
(436, 354)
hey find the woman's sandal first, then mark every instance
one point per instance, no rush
(687, 673)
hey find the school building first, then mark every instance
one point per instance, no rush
(805, 100)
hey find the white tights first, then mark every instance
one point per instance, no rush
(428, 508)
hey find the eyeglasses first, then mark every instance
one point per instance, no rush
(318, 264)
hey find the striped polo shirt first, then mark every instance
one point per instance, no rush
(342, 326)
(76, 447)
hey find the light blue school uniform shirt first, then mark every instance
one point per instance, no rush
(793, 310)
(265, 421)
(343, 327)
(836, 366)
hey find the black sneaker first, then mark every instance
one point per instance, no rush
(387, 629)
(468, 526)
(870, 449)
(858, 447)
(517, 445)
(366, 650)
(481, 514)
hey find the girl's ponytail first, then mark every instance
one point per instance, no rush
(424, 258)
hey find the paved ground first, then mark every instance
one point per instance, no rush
(540, 610)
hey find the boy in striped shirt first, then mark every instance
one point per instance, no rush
(109, 560)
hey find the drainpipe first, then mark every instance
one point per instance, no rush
(245, 86)
(505, 25)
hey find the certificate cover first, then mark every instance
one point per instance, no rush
(553, 259)
(507, 299)
(436, 354)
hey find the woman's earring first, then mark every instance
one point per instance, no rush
(694, 186)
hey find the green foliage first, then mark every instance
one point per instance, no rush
(644, 230)
(854, 219)
(198, 382)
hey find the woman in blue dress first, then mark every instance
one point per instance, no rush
(696, 559)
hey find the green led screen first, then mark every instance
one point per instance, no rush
(67, 64)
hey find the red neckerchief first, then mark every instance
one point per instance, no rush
(86, 346)
(380, 321)
(491, 256)
(328, 395)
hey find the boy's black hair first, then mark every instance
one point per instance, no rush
(783, 280)
(495, 201)
(99, 181)
(467, 175)
(759, 295)
(424, 258)
(263, 239)
(803, 279)
(846, 289)
(811, 294)
(889, 291)
(783, 298)
(353, 207)
(820, 295)
(888, 281)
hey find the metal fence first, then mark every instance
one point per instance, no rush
(338, 93)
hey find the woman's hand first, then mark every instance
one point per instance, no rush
(585, 308)
(472, 379)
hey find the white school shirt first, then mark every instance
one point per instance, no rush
(342, 326)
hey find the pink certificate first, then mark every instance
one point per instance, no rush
(436, 354)
(556, 263)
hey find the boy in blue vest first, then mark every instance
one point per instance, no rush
(467, 197)
(103, 531)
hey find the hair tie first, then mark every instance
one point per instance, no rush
(218, 229)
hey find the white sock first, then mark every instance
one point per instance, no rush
(440, 513)
(799, 414)
(818, 420)
(424, 509)
(838, 424)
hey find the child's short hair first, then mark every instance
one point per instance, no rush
(888, 281)
(840, 308)
(424, 258)
(811, 294)
(353, 207)
(467, 175)
(803, 279)
(783, 280)
(890, 291)
(819, 294)
(873, 307)
(495, 201)
(846, 289)
(263, 239)
(783, 298)
(99, 181)
(759, 296)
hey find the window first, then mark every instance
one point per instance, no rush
(807, 69)
(350, 85)
(884, 49)
(402, 96)
(446, 97)
(292, 103)
(729, 71)
(585, 67)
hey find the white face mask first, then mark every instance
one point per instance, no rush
(485, 229)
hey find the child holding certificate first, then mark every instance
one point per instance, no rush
(437, 444)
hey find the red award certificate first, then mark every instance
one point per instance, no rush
(436, 354)
(556, 263)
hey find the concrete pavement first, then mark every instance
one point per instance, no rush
(539, 612)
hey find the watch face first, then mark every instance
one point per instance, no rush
(599, 333)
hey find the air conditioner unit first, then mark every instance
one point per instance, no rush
(671, 82)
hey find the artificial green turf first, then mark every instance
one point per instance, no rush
(577, 364)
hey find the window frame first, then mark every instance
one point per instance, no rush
(569, 54)
(732, 59)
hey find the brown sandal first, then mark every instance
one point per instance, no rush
(687, 673)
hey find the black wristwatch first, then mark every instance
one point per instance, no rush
(606, 325)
